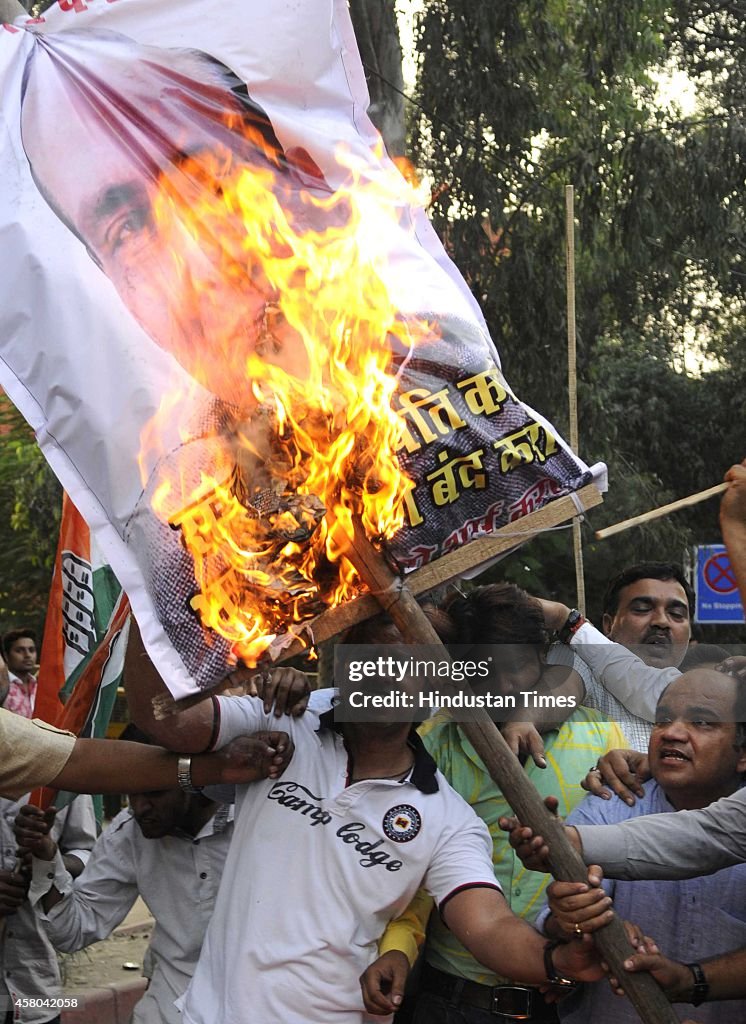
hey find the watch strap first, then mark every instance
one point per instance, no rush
(550, 970)
(572, 624)
(701, 987)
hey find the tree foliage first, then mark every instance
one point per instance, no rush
(514, 102)
(30, 506)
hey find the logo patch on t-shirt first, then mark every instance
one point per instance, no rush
(402, 823)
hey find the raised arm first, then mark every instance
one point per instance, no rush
(190, 729)
(116, 766)
(634, 684)
(733, 524)
(680, 844)
(199, 726)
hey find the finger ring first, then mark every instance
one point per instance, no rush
(578, 930)
(594, 768)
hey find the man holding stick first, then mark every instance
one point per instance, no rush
(322, 860)
(697, 754)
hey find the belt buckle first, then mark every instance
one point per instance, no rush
(528, 993)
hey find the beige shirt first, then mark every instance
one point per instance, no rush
(31, 754)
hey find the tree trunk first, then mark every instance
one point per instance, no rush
(377, 33)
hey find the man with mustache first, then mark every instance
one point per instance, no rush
(697, 756)
(646, 630)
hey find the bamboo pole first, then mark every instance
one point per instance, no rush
(504, 767)
(663, 510)
(572, 379)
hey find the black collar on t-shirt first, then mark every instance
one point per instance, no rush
(423, 772)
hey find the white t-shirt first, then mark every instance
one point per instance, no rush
(316, 870)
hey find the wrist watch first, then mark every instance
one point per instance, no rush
(573, 622)
(184, 775)
(701, 987)
(551, 972)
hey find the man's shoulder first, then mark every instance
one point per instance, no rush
(594, 810)
(121, 823)
(437, 730)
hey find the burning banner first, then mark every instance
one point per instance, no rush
(232, 326)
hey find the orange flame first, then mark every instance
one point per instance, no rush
(279, 309)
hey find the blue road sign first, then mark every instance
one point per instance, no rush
(716, 589)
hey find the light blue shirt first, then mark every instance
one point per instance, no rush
(690, 920)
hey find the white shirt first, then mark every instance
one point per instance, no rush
(624, 688)
(28, 961)
(316, 870)
(178, 878)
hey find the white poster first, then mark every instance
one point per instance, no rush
(213, 278)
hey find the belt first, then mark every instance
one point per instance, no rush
(510, 1002)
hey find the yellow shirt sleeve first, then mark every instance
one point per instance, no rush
(406, 933)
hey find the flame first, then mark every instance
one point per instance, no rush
(278, 307)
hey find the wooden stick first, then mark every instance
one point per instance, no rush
(503, 766)
(664, 510)
(572, 379)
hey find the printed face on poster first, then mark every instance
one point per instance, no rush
(165, 170)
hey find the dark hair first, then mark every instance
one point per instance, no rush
(135, 735)
(645, 571)
(16, 634)
(498, 613)
(702, 654)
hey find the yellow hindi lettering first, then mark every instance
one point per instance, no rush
(484, 393)
(456, 475)
(198, 523)
(531, 443)
(414, 516)
(431, 413)
(224, 593)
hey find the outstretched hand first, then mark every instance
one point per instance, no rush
(259, 756)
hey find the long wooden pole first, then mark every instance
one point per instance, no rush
(502, 765)
(572, 379)
(663, 510)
